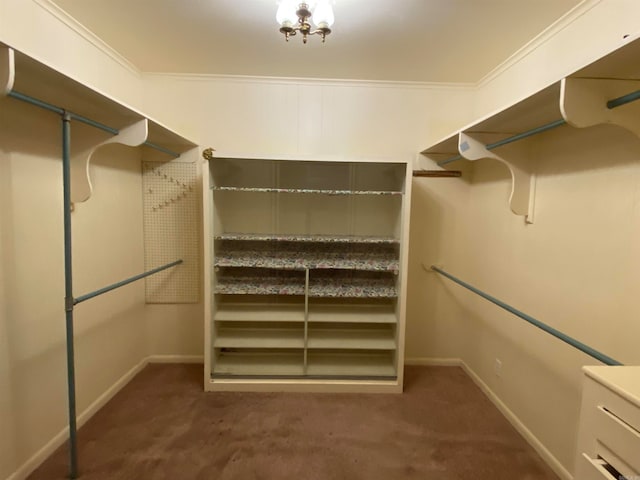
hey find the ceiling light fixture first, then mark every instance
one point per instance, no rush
(293, 17)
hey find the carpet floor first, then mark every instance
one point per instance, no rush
(163, 426)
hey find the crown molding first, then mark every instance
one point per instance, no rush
(543, 37)
(305, 81)
(86, 34)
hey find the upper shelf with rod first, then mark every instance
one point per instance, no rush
(27, 80)
(36, 80)
(602, 92)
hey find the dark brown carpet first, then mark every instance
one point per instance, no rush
(163, 426)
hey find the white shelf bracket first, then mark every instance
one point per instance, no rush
(81, 186)
(583, 103)
(521, 199)
(7, 70)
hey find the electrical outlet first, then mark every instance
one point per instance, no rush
(497, 367)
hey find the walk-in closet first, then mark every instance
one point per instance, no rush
(321, 239)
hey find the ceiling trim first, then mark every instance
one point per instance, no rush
(306, 81)
(86, 34)
(547, 34)
(543, 37)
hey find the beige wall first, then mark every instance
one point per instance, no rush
(563, 269)
(107, 237)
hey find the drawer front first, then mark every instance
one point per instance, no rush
(619, 437)
(589, 469)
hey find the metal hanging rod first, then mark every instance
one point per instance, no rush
(122, 283)
(623, 100)
(611, 104)
(81, 119)
(552, 331)
(514, 138)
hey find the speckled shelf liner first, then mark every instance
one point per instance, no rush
(374, 288)
(306, 190)
(244, 281)
(289, 255)
(371, 261)
(268, 237)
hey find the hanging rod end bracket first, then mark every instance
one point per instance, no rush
(69, 302)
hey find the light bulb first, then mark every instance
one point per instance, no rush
(323, 14)
(286, 14)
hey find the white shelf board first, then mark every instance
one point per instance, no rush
(259, 338)
(264, 312)
(37, 80)
(350, 364)
(267, 364)
(306, 191)
(311, 238)
(534, 111)
(355, 339)
(620, 64)
(352, 313)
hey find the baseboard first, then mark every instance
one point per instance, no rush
(41, 455)
(175, 359)
(433, 362)
(546, 455)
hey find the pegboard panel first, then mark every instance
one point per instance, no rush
(171, 231)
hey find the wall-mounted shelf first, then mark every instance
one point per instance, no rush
(603, 92)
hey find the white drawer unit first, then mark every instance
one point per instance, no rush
(609, 433)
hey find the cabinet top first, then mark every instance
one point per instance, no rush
(622, 380)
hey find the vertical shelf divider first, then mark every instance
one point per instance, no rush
(306, 317)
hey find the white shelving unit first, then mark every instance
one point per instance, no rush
(306, 273)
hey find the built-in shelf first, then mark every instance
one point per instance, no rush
(320, 191)
(353, 339)
(259, 363)
(299, 260)
(304, 286)
(307, 238)
(322, 288)
(259, 338)
(251, 285)
(352, 313)
(259, 312)
(350, 363)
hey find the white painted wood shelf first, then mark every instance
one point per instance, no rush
(580, 100)
(306, 269)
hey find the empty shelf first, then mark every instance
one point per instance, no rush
(351, 364)
(259, 338)
(259, 364)
(351, 339)
(353, 313)
(267, 312)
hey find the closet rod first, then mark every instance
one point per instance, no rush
(514, 138)
(122, 283)
(552, 331)
(611, 104)
(81, 119)
(623, 100)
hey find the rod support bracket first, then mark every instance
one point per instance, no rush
(69, 302)
(583, 103)
(516, 159)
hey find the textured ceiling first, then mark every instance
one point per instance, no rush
(400, 40)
